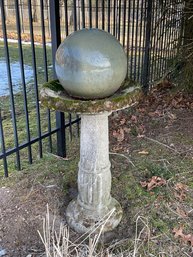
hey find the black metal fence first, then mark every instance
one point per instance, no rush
(150, 32)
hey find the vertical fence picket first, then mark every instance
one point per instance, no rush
(119, 20)
(140, 42)
(74, 15)
(144, 39)
(168, 36)
(2, 141)
(159, 44)
(153, 43)
(114, 17)
(147, 47)
(66, 17)
(12, 102)
(136, 65)
(35, 77)
(83, 13)
(162, 54)
(90, 13)
(128, 37)
(96, 16)
(124, 21)
(70, 125)
(56, 40)
(20, 49)
(45, 68)
(132, 39)
(109, 16)
(103, 14)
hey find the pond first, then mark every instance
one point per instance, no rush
(16, 77)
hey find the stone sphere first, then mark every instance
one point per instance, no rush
(91, 64)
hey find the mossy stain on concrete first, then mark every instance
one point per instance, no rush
(54, 85)
(55, 97)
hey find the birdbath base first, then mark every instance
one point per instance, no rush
(94, 206)
(84, 221)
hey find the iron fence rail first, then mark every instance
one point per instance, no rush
(148, 30)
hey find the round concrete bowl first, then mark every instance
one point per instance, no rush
(91, 64)
(54, 96)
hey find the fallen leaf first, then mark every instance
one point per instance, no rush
(180, 186)
(141, 129)
(122, 121)
(181, 212)
(188, 238)
(174, 103)
(143, 152)
(142, 136)
(151, 114)
(141, 110)
(155, 114)
(119, 134)
(172, 116)
(134, 119)
(153, 182)
(160, 198)
(127, 130)
(178, 232)
(117, 148)
(180, 196)
(181, 190)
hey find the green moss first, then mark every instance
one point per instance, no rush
(154, 169)
(160, 225)
(54, 97)
(54, 86)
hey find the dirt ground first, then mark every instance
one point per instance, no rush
(155, 138)
(22, 208)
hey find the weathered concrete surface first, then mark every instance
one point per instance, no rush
(94, 201)
(91, 64)
(53, 96)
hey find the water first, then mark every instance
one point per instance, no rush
(16, 77)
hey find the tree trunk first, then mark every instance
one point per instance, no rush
(6, 8)
(36, 10)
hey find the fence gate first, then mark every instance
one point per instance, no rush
(30, 32)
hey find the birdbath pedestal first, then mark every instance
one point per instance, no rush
(94, 204)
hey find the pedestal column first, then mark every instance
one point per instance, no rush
(94, 201)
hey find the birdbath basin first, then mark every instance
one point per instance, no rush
(94, 203)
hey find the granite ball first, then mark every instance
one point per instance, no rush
(91, 64)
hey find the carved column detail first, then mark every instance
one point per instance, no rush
(94, 177)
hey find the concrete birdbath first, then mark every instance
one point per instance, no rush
(91, 67)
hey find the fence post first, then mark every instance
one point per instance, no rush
(56, 40)
(146, 66)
